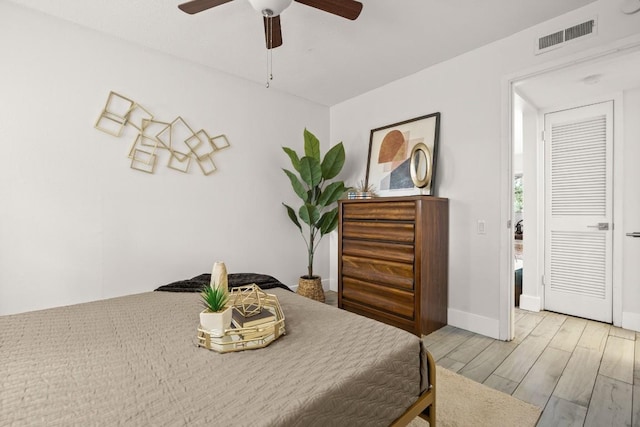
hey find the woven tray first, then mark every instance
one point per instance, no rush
(239, 339)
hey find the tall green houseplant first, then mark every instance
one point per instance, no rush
(318, 214)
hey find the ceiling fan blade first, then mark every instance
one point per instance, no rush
(349, 9)
(196, 6)
(272, 32)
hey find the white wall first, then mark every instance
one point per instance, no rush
(77, 224)
(518, 135)
(467, 90)
(631, 211)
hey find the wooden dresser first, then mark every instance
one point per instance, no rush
(393, 260)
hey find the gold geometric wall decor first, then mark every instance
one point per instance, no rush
(108, 123)
(143, 161)
(220, 142)
(136, 144)
(114, 115)
(206, 165)
(179, 164)
(200, 144)
(151, 128)
(138, 116)
(177, 137)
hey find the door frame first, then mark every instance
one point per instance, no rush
(506, 300)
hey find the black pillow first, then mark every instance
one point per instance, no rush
(235, 280)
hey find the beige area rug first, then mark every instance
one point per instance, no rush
(461, 402)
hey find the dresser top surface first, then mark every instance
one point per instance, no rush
(394, 199)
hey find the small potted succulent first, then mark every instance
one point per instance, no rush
(216, 317)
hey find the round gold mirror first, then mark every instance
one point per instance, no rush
(421, 165)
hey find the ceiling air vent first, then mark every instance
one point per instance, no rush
(550, 40)
(562, 37)
(579, 30)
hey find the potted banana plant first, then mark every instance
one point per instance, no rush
(317, 214)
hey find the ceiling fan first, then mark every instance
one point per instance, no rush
(271, 9)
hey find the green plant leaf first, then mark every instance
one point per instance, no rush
(309, 214)
(310, 171)
(329, 221)
(333, 161)
(331, 194)
(214, 299)
(311, 145)
(293, 216)
(297, 185)
(312, 196)
(295, 160)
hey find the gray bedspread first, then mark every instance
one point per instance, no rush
(134, 361)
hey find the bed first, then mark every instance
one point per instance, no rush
(135, 360)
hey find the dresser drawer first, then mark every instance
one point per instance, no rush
(400, 211)
(378, 250)
(390, 273)
(388, 231)
(384, 298)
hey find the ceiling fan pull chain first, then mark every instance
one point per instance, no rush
(267, 13)
(267, 69)
(270, 64)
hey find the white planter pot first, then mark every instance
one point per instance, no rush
(216, 323)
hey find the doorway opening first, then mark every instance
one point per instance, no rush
(592, 80)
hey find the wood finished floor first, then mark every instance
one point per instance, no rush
(582, 373)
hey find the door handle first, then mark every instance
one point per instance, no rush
(634, 234)
(602, 226)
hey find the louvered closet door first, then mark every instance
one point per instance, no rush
(578, 211)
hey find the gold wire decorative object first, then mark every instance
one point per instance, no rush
(248, 300)
(240, 339)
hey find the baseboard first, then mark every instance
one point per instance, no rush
(474, 323)
(530, 303)
(631, 321)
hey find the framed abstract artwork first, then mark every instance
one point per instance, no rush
(397, 150)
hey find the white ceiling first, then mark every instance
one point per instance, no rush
(583, 82)
(324, 58)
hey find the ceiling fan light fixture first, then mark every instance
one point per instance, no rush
(270, 8)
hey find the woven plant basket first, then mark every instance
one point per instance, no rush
(311, 288)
